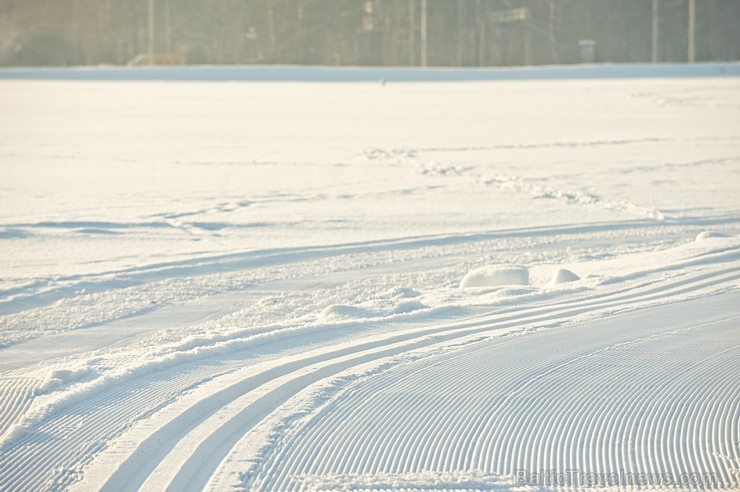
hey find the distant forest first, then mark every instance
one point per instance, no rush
(365, 32)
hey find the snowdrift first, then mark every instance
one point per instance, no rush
(495, 276)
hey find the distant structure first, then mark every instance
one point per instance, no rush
(367, 32)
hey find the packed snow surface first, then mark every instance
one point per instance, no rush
(440, 285)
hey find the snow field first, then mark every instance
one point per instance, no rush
(241, 398)
(407, 286)
(481, 411)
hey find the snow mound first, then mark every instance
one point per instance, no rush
(344, 311)
(371, 310)
(400, 293)
(709, 235)
(62, 377)
(495, 275)
(408, 307)
(562, 276)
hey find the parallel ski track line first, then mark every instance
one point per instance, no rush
(28, 464)
(195, 458)
(31, 462)
(16, 398)
(444, 434)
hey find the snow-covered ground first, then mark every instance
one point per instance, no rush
(450, 285)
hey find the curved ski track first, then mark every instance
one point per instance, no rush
(179, 443)
(580, 410)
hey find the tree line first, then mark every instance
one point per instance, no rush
(363, 32)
